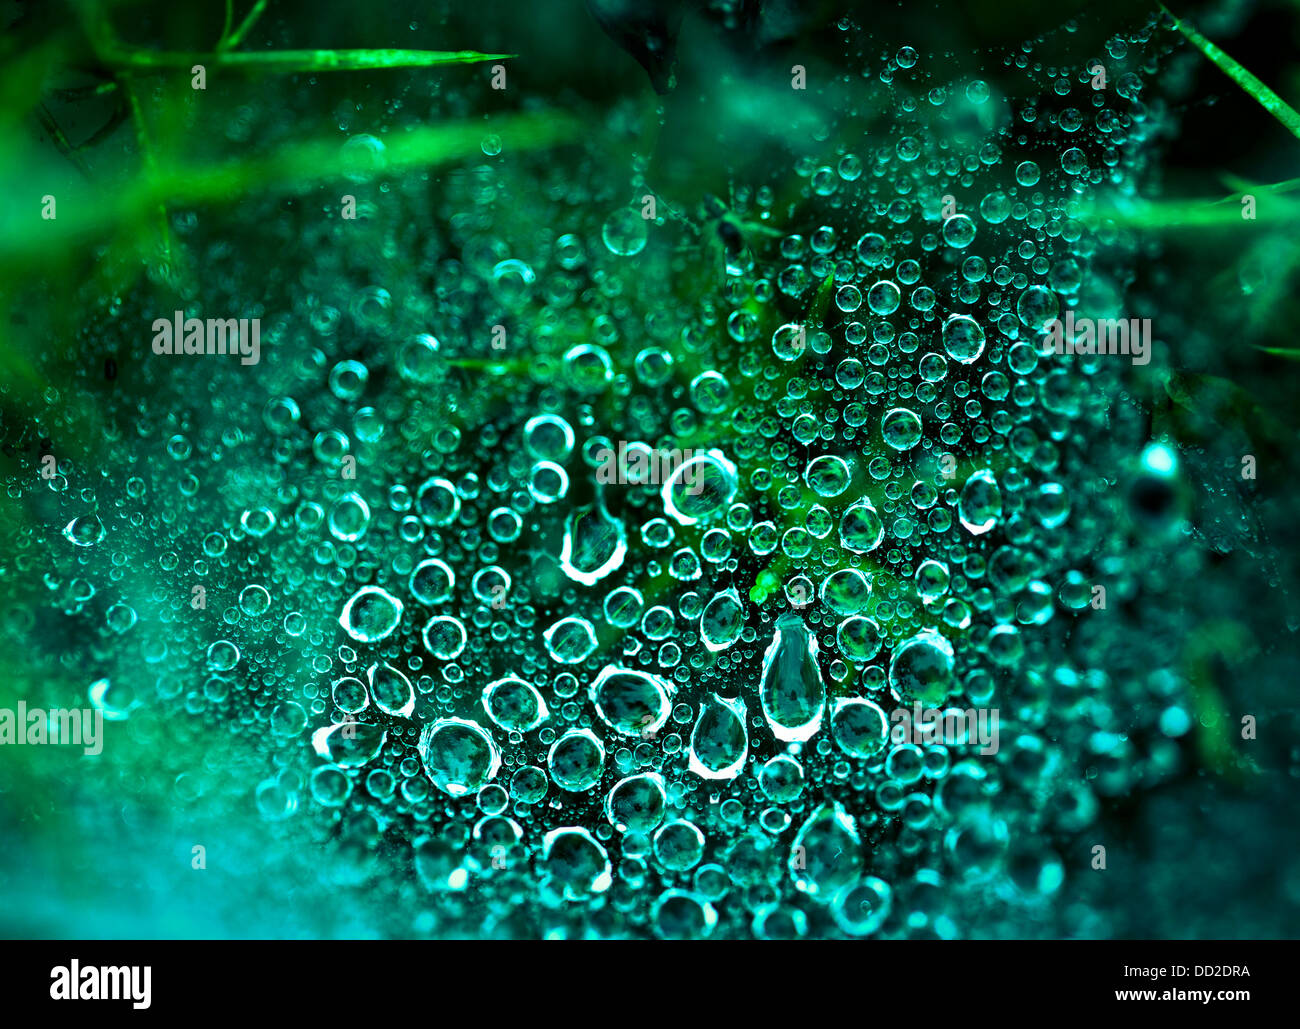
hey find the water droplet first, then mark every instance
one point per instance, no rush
(514, 705)
(980, 505)
(625, 232)
(630, 702)
(85, 531)
(963, 338)
(720, 740)
(349, 744)
(826, 855)
(722, 620)
(571, 640)
(392, 690)
(791, 689)
(922, 668)
(459, 756)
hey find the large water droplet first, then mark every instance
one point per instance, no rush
(575, 862)
(791, 690)
(980, 504)
(432, 581)
(862, 528)
(922, 668)
(845, 591)
(513, 704)
(349, 518)
(826, 855)
(699, 488)
(720, 740)
(901, 428)
(594, 545)
(722, 620)
(630, 702)
(349, 744)
(85, 531)
(371, 614)
(117, 702)
(576, 760)
(860, 728)
(625, 232)
(1038, 308)
(459, 756)
(570, 641)
(963, 338)
(391, 690)
(637, 804)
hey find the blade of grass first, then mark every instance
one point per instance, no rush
(294, 61)
(1266, 98)
(292, 168)
(1184, 214)
(150, 162)
(1241, 186)
(225, 29)
(245, 26)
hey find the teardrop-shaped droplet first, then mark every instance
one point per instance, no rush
(391, 690)
(594, 545)
(862, 528)
(637, 804)
(85, 531)
(791, 689)
(722, 620)
(720, 740)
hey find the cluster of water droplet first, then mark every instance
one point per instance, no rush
(599, 592)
